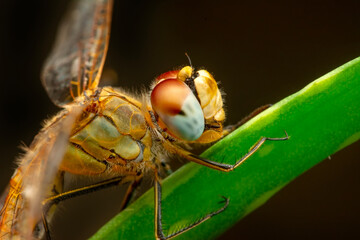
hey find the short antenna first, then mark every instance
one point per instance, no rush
(188, 57)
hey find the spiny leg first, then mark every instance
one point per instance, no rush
(130, 193)
(47, 203)
(221, 166)
(212, 164)
(129, 196)
(159, 234)
(46, 226)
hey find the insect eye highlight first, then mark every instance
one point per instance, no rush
(178, 108)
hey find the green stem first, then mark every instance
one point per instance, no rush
(320, 119)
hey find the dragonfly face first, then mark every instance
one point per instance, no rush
(190, 104)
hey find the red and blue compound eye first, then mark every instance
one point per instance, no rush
(178, 108)
(167, 75)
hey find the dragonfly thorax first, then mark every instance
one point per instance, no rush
(115, 135)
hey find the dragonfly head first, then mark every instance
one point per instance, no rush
(190, 104)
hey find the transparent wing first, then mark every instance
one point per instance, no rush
(40, 165)
(77, 58)
(3, 197)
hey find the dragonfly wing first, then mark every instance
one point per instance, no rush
(77, 58)
(40, 165)
(3, 197)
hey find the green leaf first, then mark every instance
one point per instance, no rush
(321, 119)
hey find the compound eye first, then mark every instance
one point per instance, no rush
(178, 108)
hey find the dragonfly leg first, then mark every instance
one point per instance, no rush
(47, 203)
(222, 166)
(46, 226)
(130, 193)
(159, 234)
(230, 128)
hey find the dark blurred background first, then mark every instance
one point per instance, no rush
(261, 51)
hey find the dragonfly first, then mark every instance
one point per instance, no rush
(107, 132)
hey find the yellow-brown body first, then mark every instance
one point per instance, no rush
(112, 136)
(105, 132)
